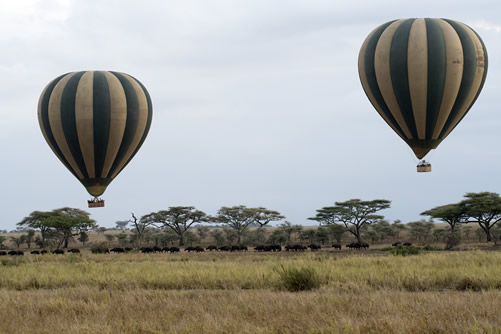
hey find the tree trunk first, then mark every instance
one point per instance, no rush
(359, 239)
(181, 240)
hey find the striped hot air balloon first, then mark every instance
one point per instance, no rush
(95, 122)
(422, 76)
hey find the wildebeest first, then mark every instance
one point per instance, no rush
(211, 248)
(225, 248)
(314, 247)
(3, 253)
(407, 244)
(157, 249)
(74, 250)
(238, 248)
(259, 248)
(146, 250)
(358, 245)
(353, 245)
(58, 251)
(198, 249)
(395, 244)
(117, 250)
(295, 248)
(35, 252)
(174, 249)
(336, 246)
(12, 252)
(43, 251)
(189, 249)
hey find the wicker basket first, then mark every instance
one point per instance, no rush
(96, 204)
(423, 169)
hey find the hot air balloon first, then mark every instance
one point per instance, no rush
(95, 122)
(422, 76)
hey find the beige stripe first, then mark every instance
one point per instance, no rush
(40, 117)
(56, 125)
(477, 81)
(117, 122)
(417, 60)
(365, 84)
(382, 66)
(84, 117)
(141, 126)
(453, 74)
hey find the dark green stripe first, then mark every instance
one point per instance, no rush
(399, 73)
(437, 65)
(44, 114)
(370, 73)
(148, 122)
(486, 63)
(69, 122)
(131, 122)
(102, 119)
(469, 69)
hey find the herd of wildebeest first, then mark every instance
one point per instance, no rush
(199, 249)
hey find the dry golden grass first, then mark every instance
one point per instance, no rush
(442, 292)
(328, 310)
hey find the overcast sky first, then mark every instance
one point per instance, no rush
(255, 102)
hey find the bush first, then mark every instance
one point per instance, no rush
(298, 279)
(405, 250)
(430, 248)
(99, 248)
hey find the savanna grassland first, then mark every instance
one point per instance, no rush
(354, 292)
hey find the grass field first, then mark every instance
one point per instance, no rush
(438, 292)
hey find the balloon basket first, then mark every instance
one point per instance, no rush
(423, 167)
(96, 203)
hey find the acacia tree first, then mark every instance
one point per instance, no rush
(30, 236)
(65, 222)
(354, 214)
(177, 218)
(240, 217)
(38, 220)
(483, 208)
(139, 230)
(18, 241)
(68, 222)
(451, 214)
(263, 216)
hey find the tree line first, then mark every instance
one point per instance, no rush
(360, 219)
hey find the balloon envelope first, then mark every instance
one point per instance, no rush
(422, 76)
(95, 122)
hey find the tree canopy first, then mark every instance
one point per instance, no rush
(240, 217)
(64, 223)
(353, 214)
(483, 208)
(177, 218)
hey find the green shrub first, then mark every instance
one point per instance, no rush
(405, 250)
(298, 279)
(387, 249)
(430, 248)
(99, 248)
